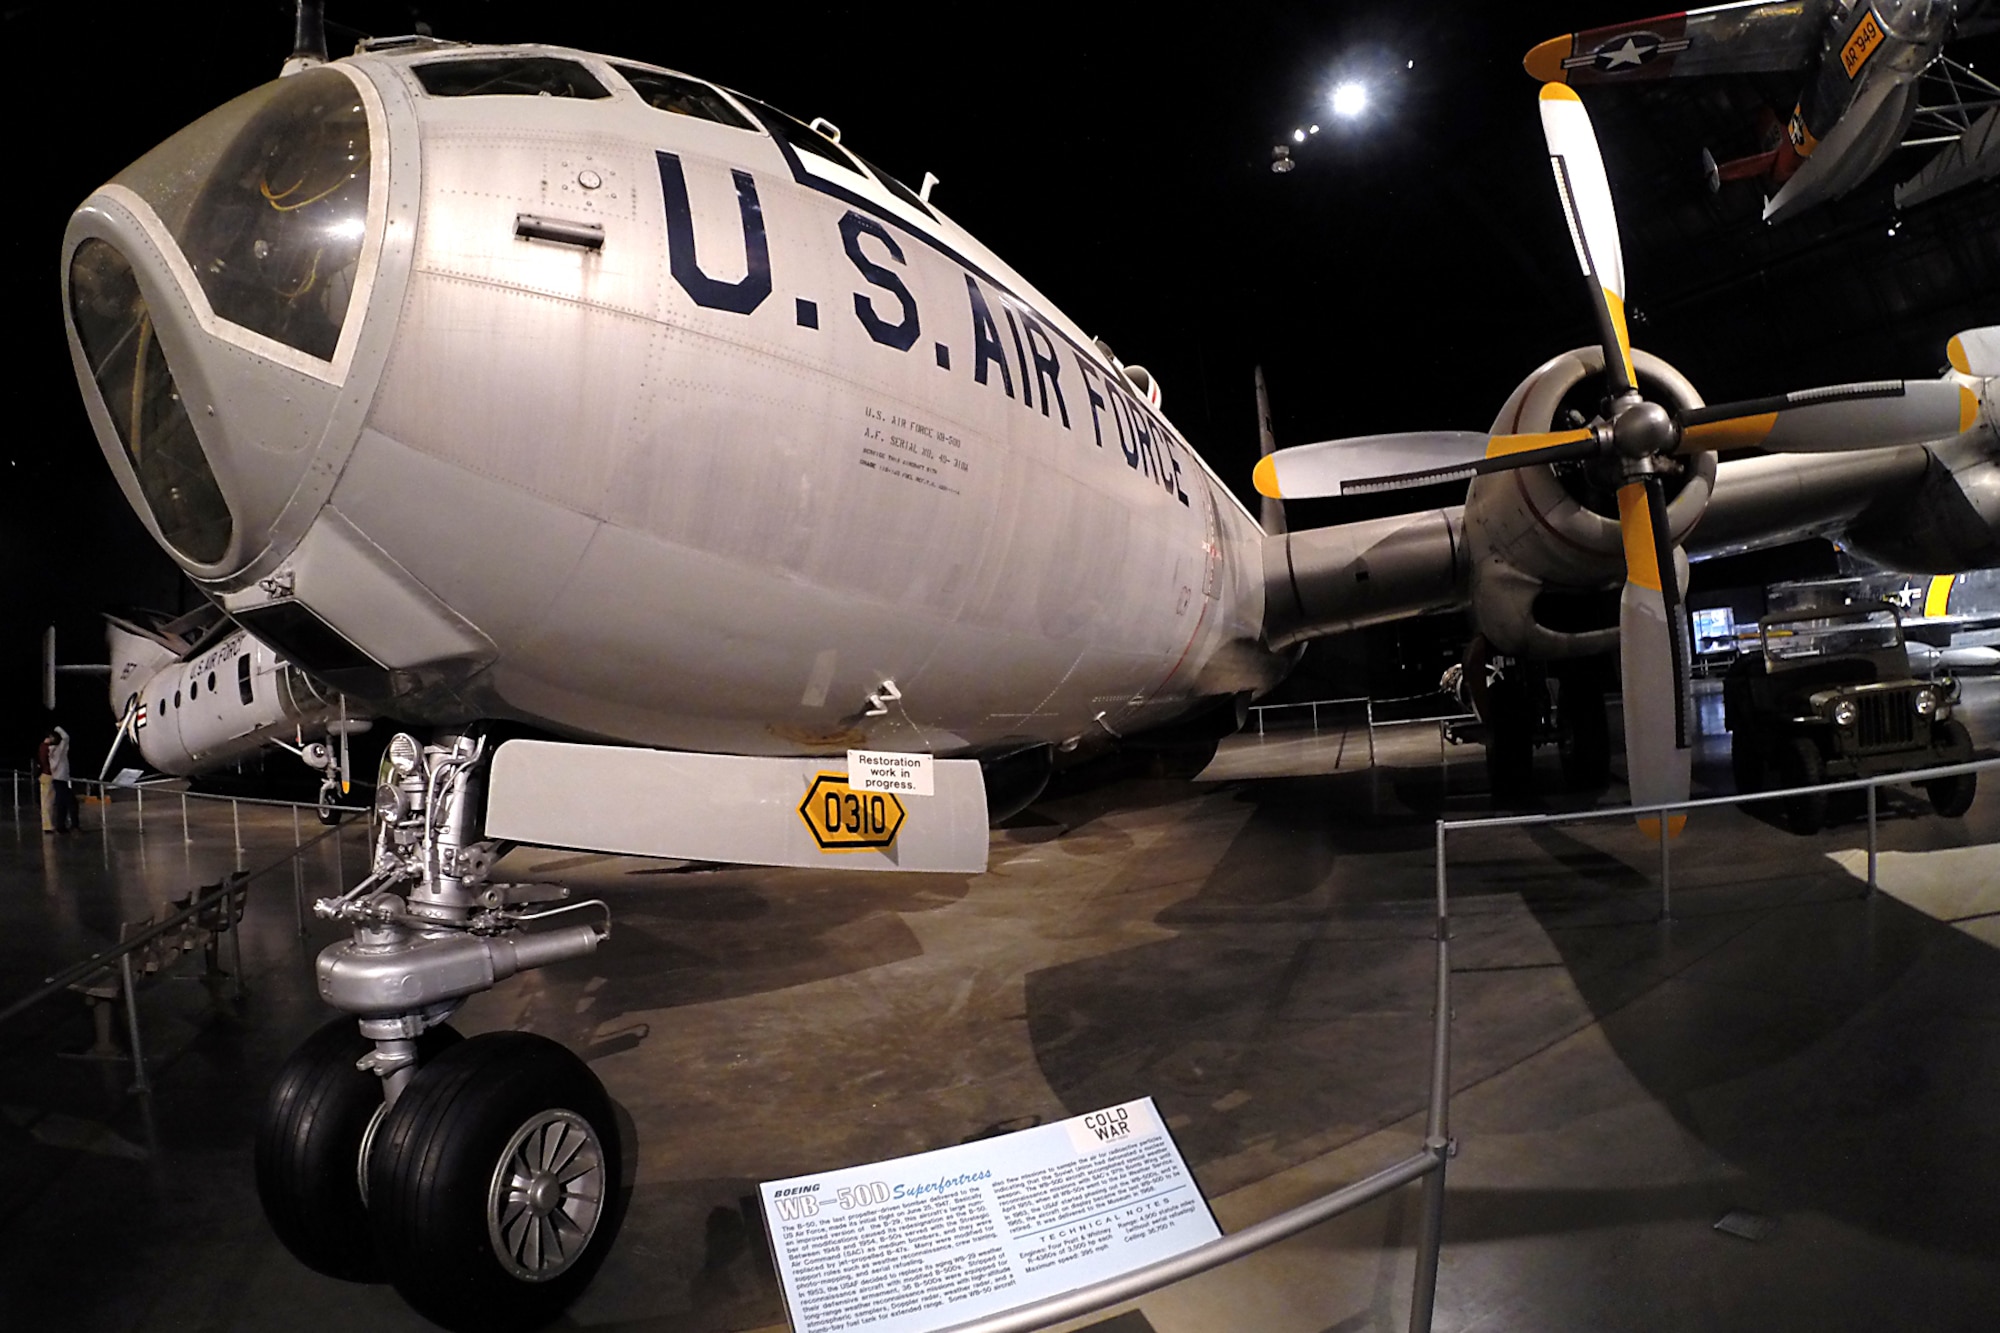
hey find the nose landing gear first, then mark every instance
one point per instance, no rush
(480, 1176)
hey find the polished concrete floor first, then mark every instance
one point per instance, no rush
(1819, 1066)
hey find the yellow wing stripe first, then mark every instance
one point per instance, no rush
(1731, 432)
(1545, 62)
(1635, 523)
(1265, 477)
(1938, 595)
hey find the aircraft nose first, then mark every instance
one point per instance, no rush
(214, 290)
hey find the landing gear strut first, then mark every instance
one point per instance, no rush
(479, 1176)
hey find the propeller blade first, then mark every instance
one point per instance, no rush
(1371, 464)
(1653, 658)
(1593, 223)
(1975, 352)
(1840, 417)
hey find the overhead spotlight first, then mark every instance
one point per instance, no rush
(1350, 99)
(1411, 65)
(1315, 129)
(1298, 136)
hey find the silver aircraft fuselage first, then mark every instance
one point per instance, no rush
(499, 383)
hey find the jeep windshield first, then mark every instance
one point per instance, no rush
(1816, 635)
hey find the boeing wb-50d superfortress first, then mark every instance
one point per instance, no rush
(645, 450)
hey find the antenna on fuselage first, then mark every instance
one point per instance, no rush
(1270, 509)
(308, 38)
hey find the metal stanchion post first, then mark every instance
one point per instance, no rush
(1666, 870)
(1871, 837)
(139, 800)
(139, 1083)
(1437, 1138)
(103, 813)
(298, 876)
(1371, 733)
(239, 895)
(236, 826)
(185, 835)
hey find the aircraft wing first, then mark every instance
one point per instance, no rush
(1754, 37)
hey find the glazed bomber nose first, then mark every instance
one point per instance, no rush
(210, 286)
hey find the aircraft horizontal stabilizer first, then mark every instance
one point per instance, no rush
(736, 808)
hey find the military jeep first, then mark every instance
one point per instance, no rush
(1830, 697)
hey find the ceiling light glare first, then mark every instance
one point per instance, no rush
(1298, 136)
(1349, 99)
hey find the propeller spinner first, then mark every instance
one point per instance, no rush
(1639, 435)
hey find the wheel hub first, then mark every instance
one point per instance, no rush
(547, 1194)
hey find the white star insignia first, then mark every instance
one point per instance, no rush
(1631, 53)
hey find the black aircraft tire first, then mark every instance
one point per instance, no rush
(309, 1148)
(1805, 814)
(493, 1186)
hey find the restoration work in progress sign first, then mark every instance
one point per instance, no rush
(924, 1242)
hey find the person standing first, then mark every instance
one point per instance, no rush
(45, 784)
(64, 795)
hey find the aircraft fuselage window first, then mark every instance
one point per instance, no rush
(243, 690)
(509, 76)
(683, 97)
(211, 682)
(194, 690)
(177, 698)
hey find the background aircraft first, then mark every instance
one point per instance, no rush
(1871, 77)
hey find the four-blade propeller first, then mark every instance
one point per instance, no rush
(1636, 436)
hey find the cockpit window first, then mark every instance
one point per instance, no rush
(275, 238)
(509, 76)
(683, 97)
(268, 199)
(901, 191)
(804, 137)
(115, 327)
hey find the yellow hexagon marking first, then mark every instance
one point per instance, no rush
(844, 820)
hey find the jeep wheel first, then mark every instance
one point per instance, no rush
(1952, 796)
(1805, 814)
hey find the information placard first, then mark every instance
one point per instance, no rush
(924, 1242)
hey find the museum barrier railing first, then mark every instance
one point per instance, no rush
(1868, 785)
(1429, 1164)
(215, 907)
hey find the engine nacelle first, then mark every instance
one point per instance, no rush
(1539, 532)
(1950, 522)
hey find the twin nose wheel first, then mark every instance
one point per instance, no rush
(487, 1194)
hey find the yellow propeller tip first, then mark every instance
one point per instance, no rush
(1955, 352)
(1265, 477)
(1968, 407)
(1545, 62)
(1559, 92)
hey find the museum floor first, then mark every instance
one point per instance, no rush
(1819, 1066)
